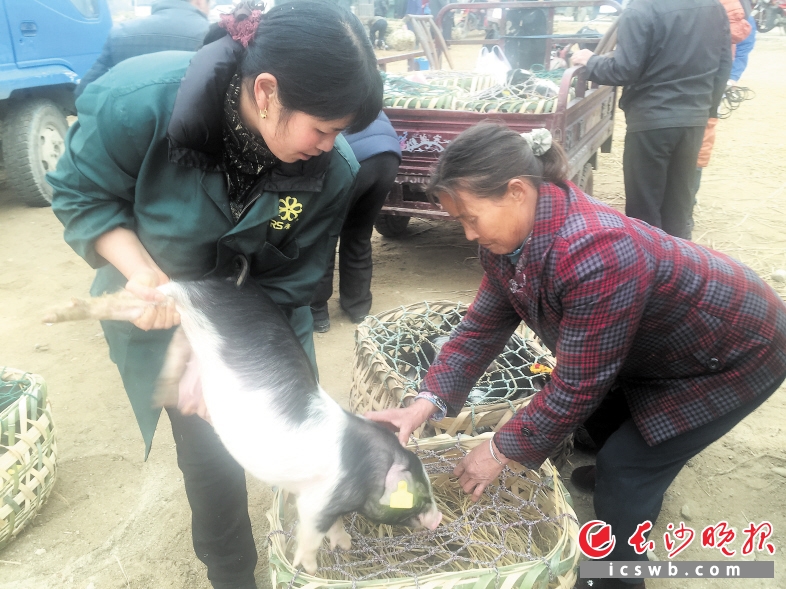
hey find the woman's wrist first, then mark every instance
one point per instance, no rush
(121, 248)
(440, 409)
(496, 453)
(423, 409)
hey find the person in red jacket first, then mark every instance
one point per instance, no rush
(740, 29)
(683, 340)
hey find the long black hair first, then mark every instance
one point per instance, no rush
(484, 158)
(321, 57)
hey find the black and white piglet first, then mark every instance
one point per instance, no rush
(289, 432)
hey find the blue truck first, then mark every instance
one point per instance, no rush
(46, 46)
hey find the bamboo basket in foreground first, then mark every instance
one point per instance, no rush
(28, 450)
(394, 349)
(522, 534)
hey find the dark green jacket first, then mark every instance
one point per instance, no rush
(125, 165)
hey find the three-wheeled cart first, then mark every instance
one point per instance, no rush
(582, 121)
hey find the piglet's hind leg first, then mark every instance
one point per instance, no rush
(338, 535)
(167, 385)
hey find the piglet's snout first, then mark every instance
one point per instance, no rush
(431, 518)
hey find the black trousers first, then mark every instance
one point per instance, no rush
(216, 490)
(659, 167)
(374, 181)
(631, 477)
(379, 30)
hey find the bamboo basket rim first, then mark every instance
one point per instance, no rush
(509, 575)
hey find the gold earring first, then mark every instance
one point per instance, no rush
(263, 114)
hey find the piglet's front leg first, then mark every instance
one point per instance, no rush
(309, 538)
(311, 510)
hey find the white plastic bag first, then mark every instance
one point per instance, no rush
(494, 63)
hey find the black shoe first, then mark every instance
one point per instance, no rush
(606, 584)
(583, 478)
(321, 325)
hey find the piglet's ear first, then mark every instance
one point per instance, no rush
(397, 473)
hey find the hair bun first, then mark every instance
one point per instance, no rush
(243, 22)
(539, 140)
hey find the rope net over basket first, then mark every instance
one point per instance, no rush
(393, 351)
(28, 450)
(522, 533)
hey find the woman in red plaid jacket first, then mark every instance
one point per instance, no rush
(679, 342)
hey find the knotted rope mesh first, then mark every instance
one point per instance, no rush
(411, 340)
(394, 349)
(13, 386)
(521, 527)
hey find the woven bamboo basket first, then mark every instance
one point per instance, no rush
(28, 450)
(383, 378)
(523, 533)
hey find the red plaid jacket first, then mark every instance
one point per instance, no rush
(687, 333)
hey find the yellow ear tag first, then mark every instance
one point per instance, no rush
(402, 499)
(537, 368)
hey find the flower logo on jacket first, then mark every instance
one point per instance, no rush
(288, 210)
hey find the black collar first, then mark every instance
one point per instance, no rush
(194, 131)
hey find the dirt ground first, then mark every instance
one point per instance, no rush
(115, 521)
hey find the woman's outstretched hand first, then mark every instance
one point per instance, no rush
(478, 468)
(162, 314)
(404, 421)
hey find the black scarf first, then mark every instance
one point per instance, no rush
(246, 156)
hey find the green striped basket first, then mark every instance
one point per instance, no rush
(28, 450)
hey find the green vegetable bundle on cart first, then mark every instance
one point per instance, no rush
(523, 92)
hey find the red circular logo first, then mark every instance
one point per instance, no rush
(596, 539)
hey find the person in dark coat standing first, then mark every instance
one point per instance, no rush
(378, 151)
(173, 25)
(673, 58)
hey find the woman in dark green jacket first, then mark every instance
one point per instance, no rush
(185, 165)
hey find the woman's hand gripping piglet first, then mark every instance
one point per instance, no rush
(475, 471)
(251, 366)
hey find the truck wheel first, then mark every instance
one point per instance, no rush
(33, 141)
(391, 225)
(585, 182)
